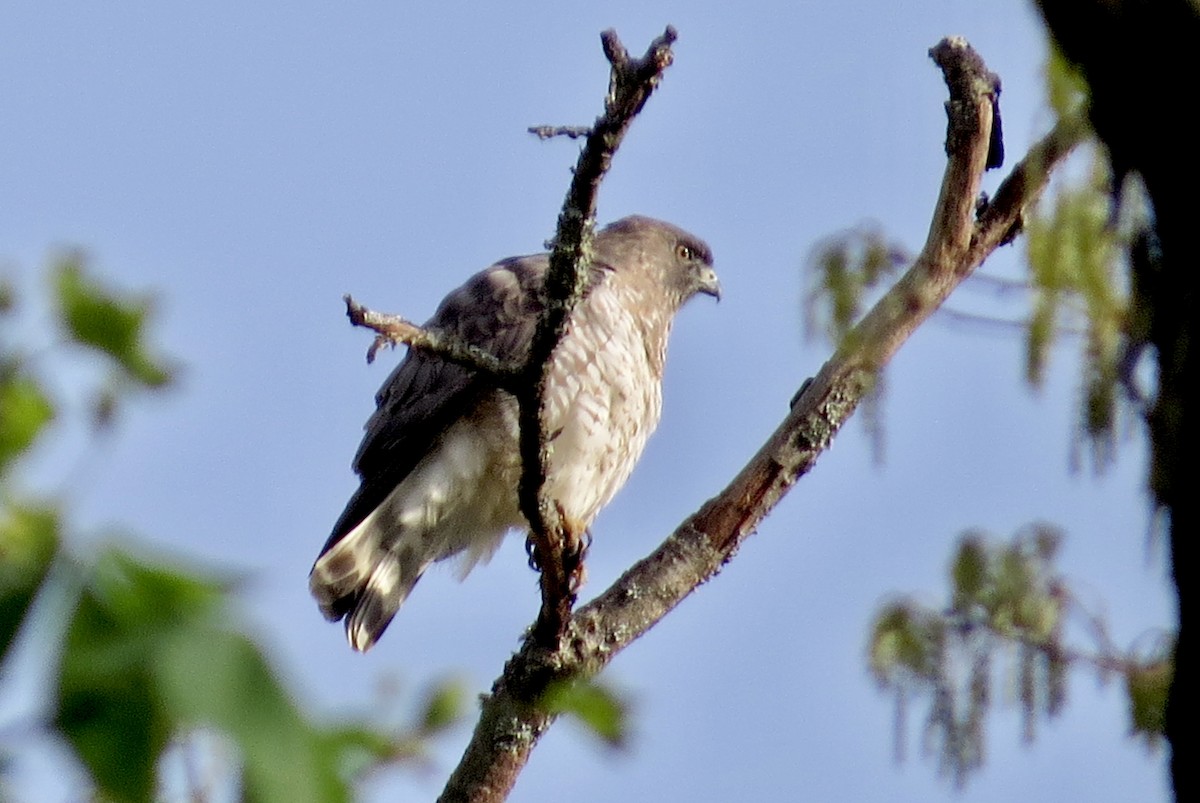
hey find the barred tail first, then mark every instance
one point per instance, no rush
(359, 580)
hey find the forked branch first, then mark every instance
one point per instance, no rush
(512, 720)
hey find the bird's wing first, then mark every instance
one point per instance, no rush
(497, 310)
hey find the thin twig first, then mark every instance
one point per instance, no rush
(551, 131)
(982, 323)
(1007, 326)
(393, 330)
(998, 285)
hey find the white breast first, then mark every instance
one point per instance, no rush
(603, 401)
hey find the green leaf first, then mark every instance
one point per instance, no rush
(147, 658)
(842, 270)
(597, 707)
(1065, 86)
(212, 677)
(1074, 244)
(443, 707)
(24, 412)
(28, 542)
(904, 639)
(357, 748)
(98, 318)
(969, 571)
(107, 710)
(1147, 684)
(110, 709)
(152, 597)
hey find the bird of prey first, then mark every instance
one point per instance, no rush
(440, 463)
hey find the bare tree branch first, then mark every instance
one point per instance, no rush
(556, 546)
(511, 721)
(393, 330)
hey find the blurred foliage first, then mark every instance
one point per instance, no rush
(1081, 242)
(28, 543)
(108, 323)
(1078, 245)
(844, 272)
(1147, 682)
(147, 657)
(1066, 89)
(1006, 599)
(24, 412)
(1078, 241)
(146, 654)
(595, 706)
(94, 316)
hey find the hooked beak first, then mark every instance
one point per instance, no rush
(709, 284)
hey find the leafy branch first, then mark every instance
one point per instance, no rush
(146, 657)
(1005, 598)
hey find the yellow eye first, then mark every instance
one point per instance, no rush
(685, 252)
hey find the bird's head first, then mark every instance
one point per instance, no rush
(679, 262)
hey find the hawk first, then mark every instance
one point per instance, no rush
(440, 462)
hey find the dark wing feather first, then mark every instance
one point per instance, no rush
(497, 309)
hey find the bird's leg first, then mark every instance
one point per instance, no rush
(562, 572)
(531, 552)
(576, 540)
(572, 548)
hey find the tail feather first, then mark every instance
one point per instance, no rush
(364, 583)
(377, 602)
(341, 571)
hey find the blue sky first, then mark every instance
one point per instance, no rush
(252, 164)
